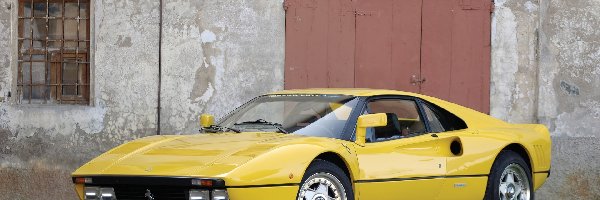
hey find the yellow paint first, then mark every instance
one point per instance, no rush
(206, 120)
(409, 119)
(394, 190)
(462, 188)
(539, 179)
(420, 167)
(79, 190)
(402, 159)
(368, 121)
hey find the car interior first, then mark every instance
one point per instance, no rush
(402, 116)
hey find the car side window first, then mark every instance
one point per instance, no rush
(434, 123)
(441, 120)
(403, 119)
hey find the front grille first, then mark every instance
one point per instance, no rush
(134, 192)
(160, 188)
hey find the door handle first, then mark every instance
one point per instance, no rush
(414, 80)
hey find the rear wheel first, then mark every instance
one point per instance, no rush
(510, 178)
(324, 180)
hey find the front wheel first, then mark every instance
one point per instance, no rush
(324, 180)
(510, 178)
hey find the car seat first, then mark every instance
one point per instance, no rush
(392, 129)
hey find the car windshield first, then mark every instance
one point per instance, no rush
(311, 115)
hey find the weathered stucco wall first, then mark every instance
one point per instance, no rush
(214, 53)
(546, 69)
(570, 95)
(42, 144)
(514, 60)
(218, 55)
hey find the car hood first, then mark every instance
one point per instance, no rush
(202, 155)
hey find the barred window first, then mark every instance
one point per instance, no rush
(54, 46)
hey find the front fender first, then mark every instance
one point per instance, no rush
(282, 166)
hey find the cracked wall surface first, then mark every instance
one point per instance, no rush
(514, 60)
(216, 55)
(546, 69)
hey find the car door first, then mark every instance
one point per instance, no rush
(400, 160)
(464, 177)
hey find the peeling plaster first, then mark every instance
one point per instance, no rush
(531, 7)
(514, 62)
(247, 49)
(504, 60)
(212, 63)
(577, 123)
(208, 36)
(569, 66)
(5, 43)
(545, 69)
(24, 119)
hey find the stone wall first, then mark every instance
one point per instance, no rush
(214, 53)
(546, 69)
(218, 54)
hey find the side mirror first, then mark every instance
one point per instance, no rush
(368, 121)
(206, 120)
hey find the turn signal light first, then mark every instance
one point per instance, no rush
(203, 182)
(208, 182)
(82, 180)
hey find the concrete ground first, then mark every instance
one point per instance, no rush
(575, 172)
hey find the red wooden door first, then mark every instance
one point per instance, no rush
(455, 51)
(319, 43)
(435, 47)
(388, 39)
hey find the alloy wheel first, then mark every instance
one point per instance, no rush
(322, 186)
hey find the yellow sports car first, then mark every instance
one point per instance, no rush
(326, 144)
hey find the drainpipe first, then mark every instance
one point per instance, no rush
(160, 27)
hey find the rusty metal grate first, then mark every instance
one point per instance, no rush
(53, 66)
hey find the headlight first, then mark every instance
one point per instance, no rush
(92, 193)
(107, 194)
(98, 193)
(220, 195)
(199, 195)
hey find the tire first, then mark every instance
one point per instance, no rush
(322, 175)
(509, 165)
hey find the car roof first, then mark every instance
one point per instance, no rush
(346, 91)
(473, 118)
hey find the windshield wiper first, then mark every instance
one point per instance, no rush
(217, 128)
(264, 122)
